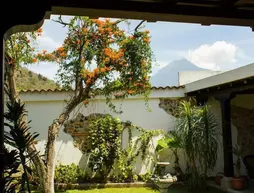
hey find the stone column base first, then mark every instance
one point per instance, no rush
(226, 183)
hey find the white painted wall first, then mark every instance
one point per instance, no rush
(241, 73)
(45, 106)
(186, 77)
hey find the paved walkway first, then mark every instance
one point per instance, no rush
(229, 190)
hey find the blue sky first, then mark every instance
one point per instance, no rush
(211, 47)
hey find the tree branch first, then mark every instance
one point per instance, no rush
(136, 28)
(61, 21)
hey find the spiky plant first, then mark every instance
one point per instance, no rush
(17, 135)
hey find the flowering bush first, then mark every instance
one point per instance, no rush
(98, 54)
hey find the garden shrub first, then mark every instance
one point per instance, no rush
(145, 177)
(69, 174)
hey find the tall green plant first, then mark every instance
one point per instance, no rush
(199, 130)
(19, 138)
(186, 125)
(105, 137)
(208, 135)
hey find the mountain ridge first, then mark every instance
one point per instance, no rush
(29, 80)
(168, 75)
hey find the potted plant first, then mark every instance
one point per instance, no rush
(238, 181)
(218, 178)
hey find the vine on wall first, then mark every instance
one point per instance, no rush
(107, 157)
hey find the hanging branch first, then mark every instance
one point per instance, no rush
(136, 28)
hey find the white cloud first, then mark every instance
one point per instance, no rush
(217, 56)
(47, 43)
(44, 68)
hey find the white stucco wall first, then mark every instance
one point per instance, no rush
(186, 77)
(44, 107)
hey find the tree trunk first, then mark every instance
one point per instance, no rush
(13, 96)
(46, 173)
(53, 132)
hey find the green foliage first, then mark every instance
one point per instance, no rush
(146, 177)
(142, 143)
(104, 134)
(17, 135)
(172, 141)
(106, 155)
(123, 167)
(11, 168)
(199, 131)
(19, 48)
(69, 174)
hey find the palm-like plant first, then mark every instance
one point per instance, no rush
(200, 133)
(19, 138)
(186, 126)
(207, 132)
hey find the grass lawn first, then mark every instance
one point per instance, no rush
(172, 189)
(115, 190)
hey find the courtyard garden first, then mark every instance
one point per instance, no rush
(123, 66)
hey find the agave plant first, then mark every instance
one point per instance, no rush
(18, 137)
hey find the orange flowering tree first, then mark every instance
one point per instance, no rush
(97, 58)
(98, 54)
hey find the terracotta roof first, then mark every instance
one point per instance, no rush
(68, 90)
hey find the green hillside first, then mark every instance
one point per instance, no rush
(27, 80)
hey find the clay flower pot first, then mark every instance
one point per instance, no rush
(238, 183)
(218, 178)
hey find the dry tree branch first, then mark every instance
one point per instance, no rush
(61, 21)
(136, 28)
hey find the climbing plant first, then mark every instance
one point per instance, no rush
(106, 152)
(104, 134)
